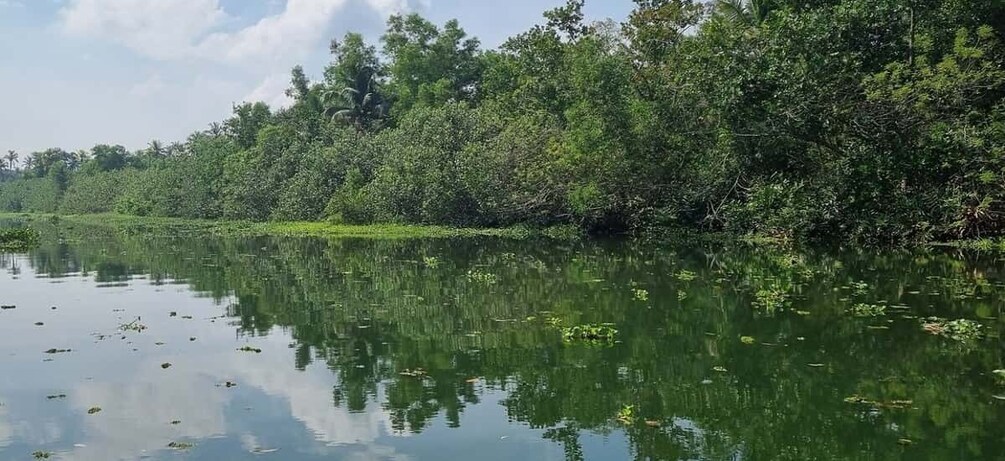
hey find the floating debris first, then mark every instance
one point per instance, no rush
(180, 445)
(165, 365)
(42, 454)
(93, 410)
(719, 369)
(262, 451)
(893, 404)
(748, 340)
(135, 326)
(416, 373)
(173, 314)
(250, 349)
(7, 308)
(905, 442)
(56, 396)
(58, 351)
(175, 422)
(38, 324)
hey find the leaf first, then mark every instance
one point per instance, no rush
(94, 410)
(748, 340)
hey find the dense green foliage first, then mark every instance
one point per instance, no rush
(877, 121)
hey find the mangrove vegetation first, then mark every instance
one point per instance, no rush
(869, 121)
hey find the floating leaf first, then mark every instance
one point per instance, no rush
(94, 410)
(747, 340)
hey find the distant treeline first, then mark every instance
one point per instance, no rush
(874, 121)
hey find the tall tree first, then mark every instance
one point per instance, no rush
(359, 103)
(11, 159)
(429, 66)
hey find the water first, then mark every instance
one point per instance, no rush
(452, 349)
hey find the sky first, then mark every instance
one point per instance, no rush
(75, 73)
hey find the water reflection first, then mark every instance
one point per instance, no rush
(444, 349)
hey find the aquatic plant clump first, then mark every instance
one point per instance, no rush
(18, 239)
(590, 333)
(771, 300)
(962, 330)
(867, 310)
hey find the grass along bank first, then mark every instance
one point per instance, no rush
(289, 229)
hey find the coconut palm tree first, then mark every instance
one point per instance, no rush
(11, 159)
(751, 13)
(360, 103)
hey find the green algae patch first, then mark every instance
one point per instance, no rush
(157, 225)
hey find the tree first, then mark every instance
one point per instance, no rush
(429, 66)
(11, 159)
(360, 103)
(248, 119)
(751, 13)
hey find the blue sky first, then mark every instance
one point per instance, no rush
(74, 73)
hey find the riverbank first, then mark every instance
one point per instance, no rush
(288, 229)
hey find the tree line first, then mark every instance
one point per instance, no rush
(873, 121)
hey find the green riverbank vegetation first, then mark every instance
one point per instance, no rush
(867, 121)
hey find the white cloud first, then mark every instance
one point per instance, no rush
(176, 29)
(282, 37)
(272, 91)
(149, 87)
(162, 29)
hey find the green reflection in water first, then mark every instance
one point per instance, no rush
(734, 352)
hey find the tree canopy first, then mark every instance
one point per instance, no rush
(875, 121)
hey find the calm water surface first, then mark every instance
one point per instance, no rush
(452, 349)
